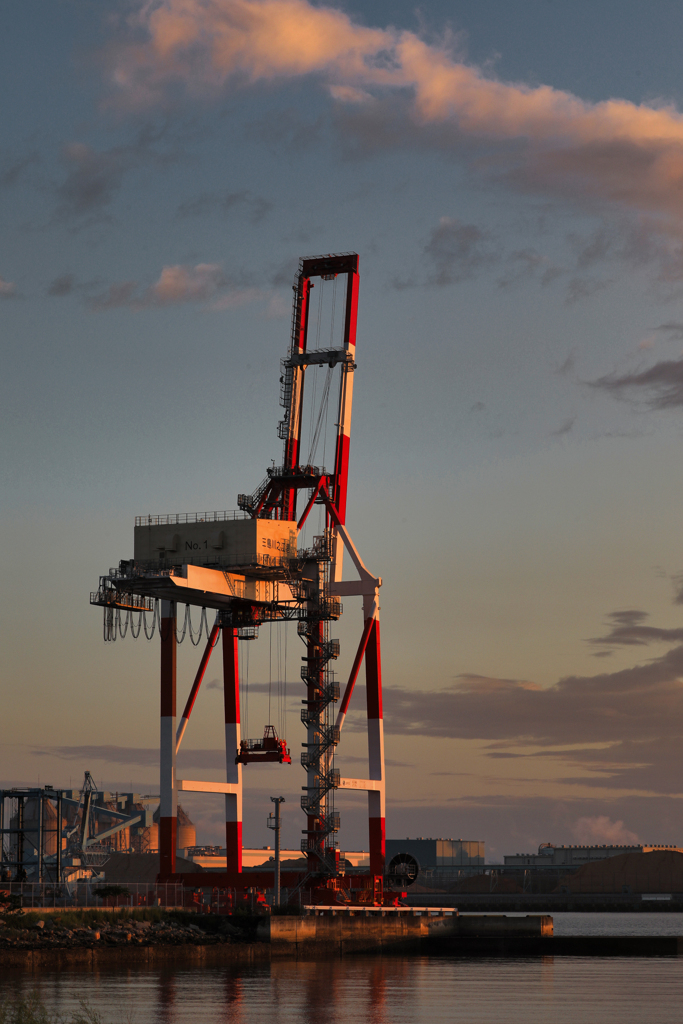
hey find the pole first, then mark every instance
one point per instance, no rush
(58, 878)
(274, 822)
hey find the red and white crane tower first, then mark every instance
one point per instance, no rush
(251, 568)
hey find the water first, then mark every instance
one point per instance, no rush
(393, 990)
(390, 990)
(618, 924)
(641, 923)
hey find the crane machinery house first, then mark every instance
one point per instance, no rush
(210, 540)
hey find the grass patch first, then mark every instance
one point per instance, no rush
(30, 1009)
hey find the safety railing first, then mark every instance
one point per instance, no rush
(176, 518)
(85, 894)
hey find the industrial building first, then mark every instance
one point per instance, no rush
(551, 856)
(51, 835)
(438, 860)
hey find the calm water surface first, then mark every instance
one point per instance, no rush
(645, 923)
(413, 990)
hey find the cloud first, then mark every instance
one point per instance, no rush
(522, 265)
(658, 387)
(132, 755)
(180, 284)
(568, 365)
(61, 286)
(627, 629)
(614, 731)
(537, 137)
(8, 290)
(91, 180)
(601, 830)
(673, 329)
(186, 284)
(564, 428)
(214, 202)
(205, 283)
(632, 703)
(18, 169)
(93, 177)
(583, 287)
(456, 251)
(116, 295)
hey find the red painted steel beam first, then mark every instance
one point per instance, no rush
(355, 669)
(211, 643)
(329, 505)
(311, 502)
(341, 460)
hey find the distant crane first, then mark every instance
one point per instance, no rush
(252, 568)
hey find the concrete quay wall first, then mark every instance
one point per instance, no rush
(344, 932)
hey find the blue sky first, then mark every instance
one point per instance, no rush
(515, 446)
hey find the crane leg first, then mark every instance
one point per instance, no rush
(233, 801)
(376, 801)
(168, 797)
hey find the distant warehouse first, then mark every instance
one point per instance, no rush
(439, 856)
(551, 856)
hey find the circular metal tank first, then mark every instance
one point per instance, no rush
(186, 835)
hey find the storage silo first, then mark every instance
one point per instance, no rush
(187, 833)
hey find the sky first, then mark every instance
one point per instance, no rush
(511, 175)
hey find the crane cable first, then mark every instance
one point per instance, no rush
(270, 668)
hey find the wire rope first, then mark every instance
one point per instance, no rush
(334, 301)
(179, 640)
(315, 375)
(123, 630)
(132, 627)
(246, 703)
(156, 620)
(202, 624)
(322, 415)
(270, 668)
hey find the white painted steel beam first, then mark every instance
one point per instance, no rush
(362, 785)
(191, 786)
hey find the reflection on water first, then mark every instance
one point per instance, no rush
(395, 990)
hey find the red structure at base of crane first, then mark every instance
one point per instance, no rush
(252, 569)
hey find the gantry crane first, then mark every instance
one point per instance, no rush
(251, 568)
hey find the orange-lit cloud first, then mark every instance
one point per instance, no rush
(626, 153)
(186, 284)
(8, 289)
(180, 284)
